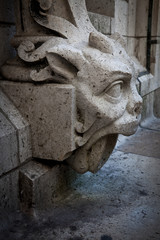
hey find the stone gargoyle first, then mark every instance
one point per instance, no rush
(97, 66)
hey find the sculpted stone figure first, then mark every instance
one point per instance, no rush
(72, 52)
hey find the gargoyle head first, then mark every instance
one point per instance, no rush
(107, 99)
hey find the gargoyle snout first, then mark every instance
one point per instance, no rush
(135, 105)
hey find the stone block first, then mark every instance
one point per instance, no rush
(132, 17)
(103, 7)
(141, 18)
(8, 145)
(121, 17)
(7, 11)
(6, 50)
(21, 127)
(100, 22)
(42, 186)
(50, 110)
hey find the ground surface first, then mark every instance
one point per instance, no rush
(120, 202)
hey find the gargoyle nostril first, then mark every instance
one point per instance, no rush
(138, 108)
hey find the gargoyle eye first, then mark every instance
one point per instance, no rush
(115, 89)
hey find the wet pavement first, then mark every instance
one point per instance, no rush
(120, 202)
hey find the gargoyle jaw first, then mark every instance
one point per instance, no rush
(92, 159)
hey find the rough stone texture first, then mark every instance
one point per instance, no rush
(52, 119)
(21, 127)
(104, 108)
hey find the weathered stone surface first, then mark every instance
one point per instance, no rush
(50, 110)
(80, 59)
(21, 127)
(8, 145)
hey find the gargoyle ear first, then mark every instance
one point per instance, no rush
(65, 60)
(100, 42)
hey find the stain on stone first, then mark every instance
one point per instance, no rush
(75, 238)
(143, 193)
(106, 237)
(73, 228)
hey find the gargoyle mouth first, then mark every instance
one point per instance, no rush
(91, 157)
(96, 149)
